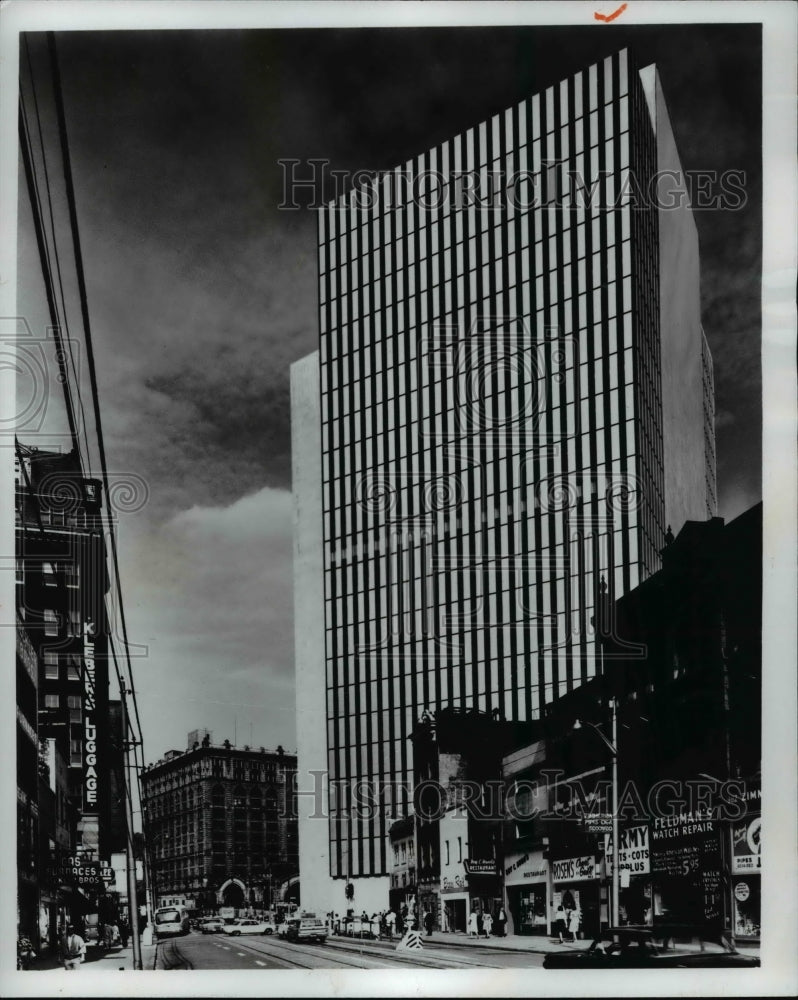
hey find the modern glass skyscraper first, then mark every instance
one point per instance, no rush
(512, 399)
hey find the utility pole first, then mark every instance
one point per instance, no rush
(616, 875)
(132, 896)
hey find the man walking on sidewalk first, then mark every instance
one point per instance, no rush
(74, 949)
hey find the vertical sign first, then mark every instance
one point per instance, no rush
(89, 722)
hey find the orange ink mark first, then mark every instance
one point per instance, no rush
(611, 17)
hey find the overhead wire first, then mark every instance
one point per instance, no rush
(44, 258)
(46, 262)
(51, 214)
(84, 308)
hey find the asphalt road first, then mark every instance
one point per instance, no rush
(217, 951)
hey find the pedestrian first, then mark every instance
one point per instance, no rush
(487, 924)
(473, 928)
(501, 922)
(479, 923)
(390, 920)
(74, 949)
(428, 922)
(115, 933)
(124, 932)
(560, 921)
(573, 923)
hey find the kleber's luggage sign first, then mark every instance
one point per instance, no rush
(574, 869)
(89, 722)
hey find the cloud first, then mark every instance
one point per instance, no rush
(213, 601)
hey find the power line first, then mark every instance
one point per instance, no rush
(41, 243)
(54, 242)
(84, 308)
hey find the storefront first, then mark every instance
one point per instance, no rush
(686, 869)
(634, 865)
(526, 876)
(576, 885)
(484, 886)
(454, 903)
(746, 875)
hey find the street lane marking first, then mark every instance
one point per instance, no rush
(241, 953)
(258, 962)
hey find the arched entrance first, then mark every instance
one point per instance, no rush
(233, 893)
(289, 890)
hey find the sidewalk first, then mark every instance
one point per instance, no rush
(513, 942)
(100, 960)
(519, 943)
(522, 943)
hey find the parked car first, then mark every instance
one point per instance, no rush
(210, 925)
(248, 926)
(306, 927)
(662, 946)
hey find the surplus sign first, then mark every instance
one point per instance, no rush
(89, 722)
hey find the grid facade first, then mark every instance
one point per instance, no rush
(708, 385)
(491, 425)
(217, 813)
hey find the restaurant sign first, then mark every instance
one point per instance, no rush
(480, 866)
(525, 868)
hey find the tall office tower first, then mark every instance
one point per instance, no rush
(511, 401)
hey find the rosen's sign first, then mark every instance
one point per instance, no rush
(574, 869)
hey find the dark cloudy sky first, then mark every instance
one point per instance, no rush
(202, 292)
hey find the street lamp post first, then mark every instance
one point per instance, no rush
(613, 749)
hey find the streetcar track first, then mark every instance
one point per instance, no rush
(173, 958)
(416, 960)
(296, 955)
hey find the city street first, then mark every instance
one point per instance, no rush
(216, 952)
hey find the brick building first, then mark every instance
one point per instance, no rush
(220, 825)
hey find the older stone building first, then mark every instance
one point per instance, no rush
(221, 826)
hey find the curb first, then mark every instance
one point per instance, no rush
(457, 943)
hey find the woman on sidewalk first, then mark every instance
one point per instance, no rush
(487, 924)
(472, 924)
(560, 925)
(573, 924)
